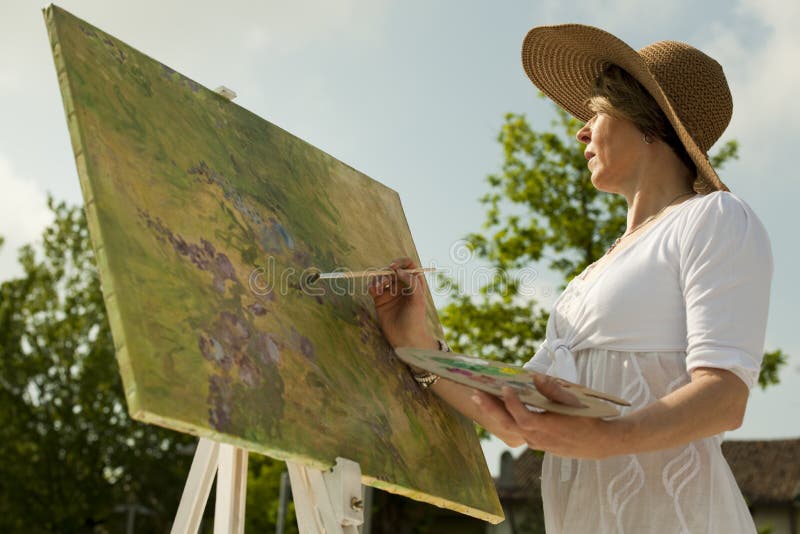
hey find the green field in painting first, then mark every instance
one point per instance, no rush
(203, 217)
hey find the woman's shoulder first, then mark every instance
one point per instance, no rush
(721, 209)
(722, 219)
(720, 202)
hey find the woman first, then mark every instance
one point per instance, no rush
(672, 318)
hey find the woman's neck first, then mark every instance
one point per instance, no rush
(650, 206)
(662, 182)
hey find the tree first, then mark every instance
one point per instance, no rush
(73, 460)
(540, 209)
(263, 489)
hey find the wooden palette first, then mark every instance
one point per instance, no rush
(492, 376)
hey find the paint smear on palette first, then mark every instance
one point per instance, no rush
(480, 366)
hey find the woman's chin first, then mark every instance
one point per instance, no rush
(600, 183)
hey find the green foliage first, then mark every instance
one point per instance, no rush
(542, 205)
(770, 368)
(73, 460)
(71, 453)
(728, 151)
(496, 324)
(263, 489)
(541, 209)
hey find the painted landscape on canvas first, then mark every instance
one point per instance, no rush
(203, 218)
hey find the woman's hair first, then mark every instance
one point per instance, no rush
(618, 94)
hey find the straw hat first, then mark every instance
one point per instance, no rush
(689, 87)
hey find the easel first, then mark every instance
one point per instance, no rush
(325, 502)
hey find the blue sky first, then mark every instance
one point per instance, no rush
(413, 94)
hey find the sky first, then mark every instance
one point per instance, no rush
(413, 93)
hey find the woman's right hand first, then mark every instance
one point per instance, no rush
(400, 301)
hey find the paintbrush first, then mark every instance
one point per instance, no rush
(314, 276)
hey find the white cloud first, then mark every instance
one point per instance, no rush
(288, 26)
(183, 26)
(763, 77)
(9, 80)
(23, 216)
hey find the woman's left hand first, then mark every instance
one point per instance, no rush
(713, 401)
(563, 435)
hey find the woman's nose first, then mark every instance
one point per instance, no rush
(584, 135)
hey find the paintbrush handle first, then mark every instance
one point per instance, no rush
(361, 274)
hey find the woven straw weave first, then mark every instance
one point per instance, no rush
(689, 86)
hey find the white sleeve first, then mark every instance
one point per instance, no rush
(725, 274)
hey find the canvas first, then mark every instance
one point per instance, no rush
(203, 219)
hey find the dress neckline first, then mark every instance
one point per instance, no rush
(642, 236)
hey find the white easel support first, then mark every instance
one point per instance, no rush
(229, 464)
(198, 486)
(231, 490)
(327, 502)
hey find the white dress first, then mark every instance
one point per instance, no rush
(692, 291)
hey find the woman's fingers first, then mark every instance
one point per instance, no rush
(401, 266)
(410, 281)
(494, 408)
(526, 424)
(379, 285)
(401, 283)
(404, 262)
(522, 416)
(550, 388)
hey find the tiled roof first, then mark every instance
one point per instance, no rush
(767, 471)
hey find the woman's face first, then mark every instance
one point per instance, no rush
(614, 150)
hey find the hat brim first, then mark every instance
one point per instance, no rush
(564, 61)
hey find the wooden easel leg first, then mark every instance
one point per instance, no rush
(231, 490)
(309, 520)
(198, 486)
(327, 502)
